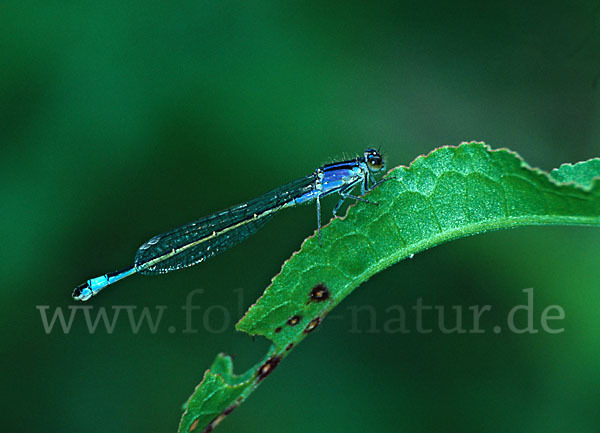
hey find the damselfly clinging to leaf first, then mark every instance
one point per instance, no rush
(209, 236)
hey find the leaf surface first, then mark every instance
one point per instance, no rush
(453, 192)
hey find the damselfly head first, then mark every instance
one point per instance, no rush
(374, 160)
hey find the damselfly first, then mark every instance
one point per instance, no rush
(209, 236)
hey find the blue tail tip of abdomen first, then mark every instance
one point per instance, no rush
(93, 286)
(83, 292)
(90, 288)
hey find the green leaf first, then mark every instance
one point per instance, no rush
(582, 173)
(451, 193)
(220, 392)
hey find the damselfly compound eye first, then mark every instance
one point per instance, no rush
(374, 160)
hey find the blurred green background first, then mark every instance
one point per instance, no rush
(120, 120)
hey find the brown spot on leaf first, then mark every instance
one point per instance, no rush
(194, 424)
(312, 325)
(208, 428)
(289, 346)
(278, 330)
(319, 293)
(268, 367)
(229, 409)
(294, 320)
